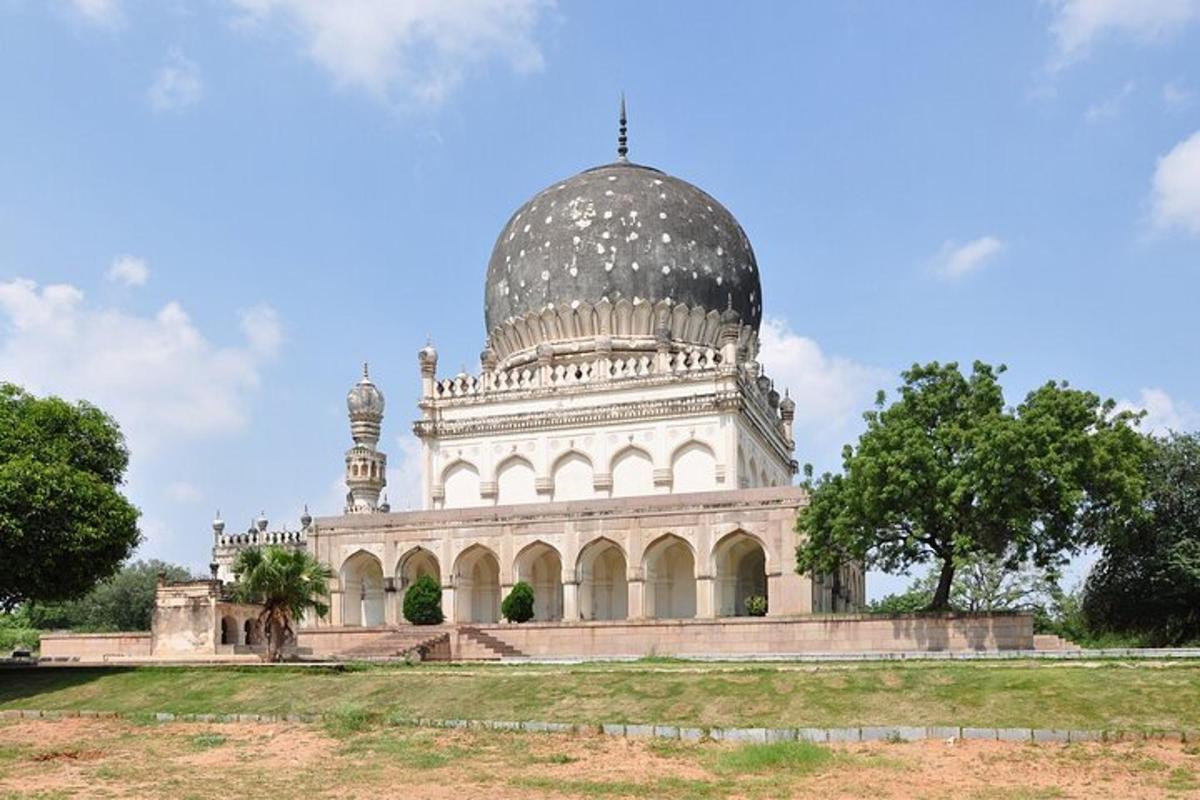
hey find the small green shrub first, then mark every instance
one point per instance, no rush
(18, 639)
(756, 605)
(518, 606)
(792, 757)
(349, 718)
(423, 602)
(205, 741)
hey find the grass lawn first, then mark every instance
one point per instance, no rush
(1043, 694)
(97, 758)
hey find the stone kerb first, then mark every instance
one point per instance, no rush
(739, 735)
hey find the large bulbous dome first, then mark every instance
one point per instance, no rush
(620, 251)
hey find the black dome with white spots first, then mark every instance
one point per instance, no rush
(621, 231)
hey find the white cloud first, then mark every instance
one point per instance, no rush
(101, 13)
(831, 392)
(956, 261)
(1163, 413)
(262, 329)
(129, 270)
(404, 476)
(1109, 107)
(161, 378)
(419, 49)
(1079, 24)
(177, 84)
(184, 492)
(1176, 192)
(1175, 96)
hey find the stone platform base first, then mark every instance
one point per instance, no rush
(724, 638)
(825, 634)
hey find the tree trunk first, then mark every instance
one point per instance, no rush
(274, 639)
(941, 596)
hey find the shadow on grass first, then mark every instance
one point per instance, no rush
(22, 683)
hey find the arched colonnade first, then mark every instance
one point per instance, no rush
(668, 580)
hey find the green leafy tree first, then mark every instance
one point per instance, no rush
(916, 598)
(983, 584)
(423, 602)
(518, 606)
(124, 602)
(64, 525)
(948, 474)
(1147, 580)
(286, 583)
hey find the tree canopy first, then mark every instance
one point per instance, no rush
(982, 585)
(64, 525)
(1147, 580)
(124, 602)
(286, 583)
(948, 473)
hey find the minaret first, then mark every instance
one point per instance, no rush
(366, 467)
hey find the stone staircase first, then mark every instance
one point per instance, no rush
(429, 643)
(1050, 642)
(484, 645)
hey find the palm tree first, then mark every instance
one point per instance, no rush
(286, 583)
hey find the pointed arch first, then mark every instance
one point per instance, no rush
(573, 476)
(669, 585)
(739, 565)
(476, 579)
(515, 481)
(229, 631)
(601, 571)
(693, 467)
(632, 470)
(460, 485)
(362, 589)
(540, 565)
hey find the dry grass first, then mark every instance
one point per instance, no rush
(1098, 695)
(87, 758)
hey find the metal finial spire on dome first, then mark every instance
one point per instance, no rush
(622, 134)
(366, 374)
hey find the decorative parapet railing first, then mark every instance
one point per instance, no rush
(256, 538)
(574, 373)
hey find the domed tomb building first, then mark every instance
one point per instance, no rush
(620, 447)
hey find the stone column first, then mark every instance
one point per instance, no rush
(636, 586)
(448, 603)
(335, 607)
(706, 604)
(391, 603)
(570, 609)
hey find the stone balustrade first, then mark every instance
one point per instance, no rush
(573, 373)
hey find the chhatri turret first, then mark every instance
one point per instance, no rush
(366, 465)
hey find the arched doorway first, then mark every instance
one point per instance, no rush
(540, 566)
(670, 579)
(229, 631)
(477, 586)
(253, 632)
(414, 564)
(362, 590)
(740, 565)
(603, 591)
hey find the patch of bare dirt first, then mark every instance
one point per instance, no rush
(74, 757)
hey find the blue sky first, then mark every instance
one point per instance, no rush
(211, 212)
